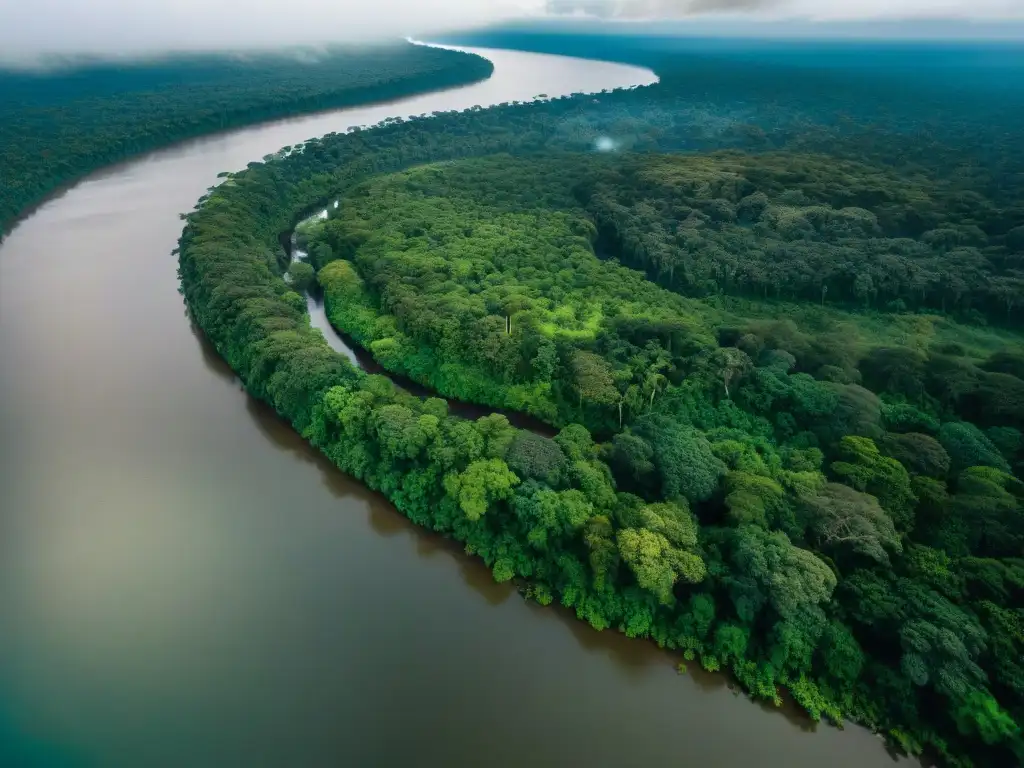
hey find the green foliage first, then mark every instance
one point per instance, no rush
(844, 519)
(865, 469)
(904, 417)
(770, 227)
(815, 703)
(920, 454)
(790, 578)
(824, 502)
(59, 124)
(683, 459)
(968, 446)
(301, 275)
(754, 498)
(841, 656)
(730, 643)
(535, 457)
(658, 544)
(981, 714)
(480, 485)
(989, 502)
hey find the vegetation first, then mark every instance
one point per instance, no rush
(494, 295)
(763, 461)
(57, 125)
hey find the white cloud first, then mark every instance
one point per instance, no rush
(33, 26)
(804, 9)
(30, 27)
(882, 9)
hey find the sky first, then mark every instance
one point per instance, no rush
(32, 27)
(813, 9)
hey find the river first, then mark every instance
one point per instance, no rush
(184, 582)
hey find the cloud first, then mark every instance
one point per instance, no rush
(29, 28)
(912, 9)
(32, 27)
(654, 9)
(793, 9)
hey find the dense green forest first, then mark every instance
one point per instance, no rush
(493, 294)
(57, 125)
(781, 344)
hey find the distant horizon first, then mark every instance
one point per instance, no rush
(804, 28)
(44, 29)
(722, 27)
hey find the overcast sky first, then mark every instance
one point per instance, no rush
(29, 27)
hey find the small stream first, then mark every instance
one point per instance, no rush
(361, 358)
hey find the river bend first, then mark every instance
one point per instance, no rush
(184, 582)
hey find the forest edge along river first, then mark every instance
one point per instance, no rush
(184, 581)
(362, 359)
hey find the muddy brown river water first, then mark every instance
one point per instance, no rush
(184, 582)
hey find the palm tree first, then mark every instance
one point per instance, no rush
(631, 397)
(652, 382)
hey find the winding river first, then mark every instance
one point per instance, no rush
(183, 582)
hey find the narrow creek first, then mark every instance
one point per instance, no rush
(360, 357)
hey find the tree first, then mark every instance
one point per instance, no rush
(731, 364)
(631, 458)
(301, 275)
(1006, 361)
(895, 369)
(653, 382)
(402, 433)
(545, 361)
(841, 655)
(458, 444)
(979, 714)
(629, 396)
(934, 654)
(1007, 440)
(575, 442)
(532, 456)
(935, 569)
(657, 561)
(593, 379)
(683, 457)
(990, 504)
(551, 516)
(790, 578)
(697, 620)
(730, 644)
(753, 498)
(920, 454)
(940, 642)
(484, 482)
(857, 412)
(904, 417)
(967, 446)
(498, 434)
(293, 300)
(865, 469)
(843, 518)
(604, 552)
(934, 525)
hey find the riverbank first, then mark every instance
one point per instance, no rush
(360, 357)
(209, 96)
(518, 502)
(175, 553)
(735, 455)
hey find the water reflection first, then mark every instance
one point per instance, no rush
(214, 363)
